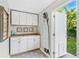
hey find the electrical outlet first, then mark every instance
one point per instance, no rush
(45, 49)
(48, 51)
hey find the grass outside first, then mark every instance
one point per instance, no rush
(71, 45)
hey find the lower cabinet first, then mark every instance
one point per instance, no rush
(23, 44)
(15, 45)
(36, 40)
(30, 44)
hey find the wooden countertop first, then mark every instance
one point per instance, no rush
(25, 34)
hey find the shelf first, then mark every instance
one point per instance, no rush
(25, 34)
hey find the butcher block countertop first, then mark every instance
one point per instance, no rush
(25, 34)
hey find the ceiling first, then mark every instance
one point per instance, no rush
(34, 6)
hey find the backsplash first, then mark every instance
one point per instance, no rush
(15, 30)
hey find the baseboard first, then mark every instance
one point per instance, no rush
(45, 53)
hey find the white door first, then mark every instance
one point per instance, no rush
(60, 34)
(15, 18)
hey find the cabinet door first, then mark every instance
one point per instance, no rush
(23, 44)
(15, 18)
(36, 42)
(22, 18)
(34, 20)
(30, 43)
(15, 45)
(29, 19)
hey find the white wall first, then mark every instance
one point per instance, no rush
(34, 6)
(43, 26)
(44, 32)
(4, 49)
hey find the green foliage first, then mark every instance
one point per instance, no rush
(71, 45)
(71, 29)
(71, 23)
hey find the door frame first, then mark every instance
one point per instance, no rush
(52, 55)
(77, 28)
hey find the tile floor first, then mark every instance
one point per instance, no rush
(30, 54)
(68, 56)
(38, 54)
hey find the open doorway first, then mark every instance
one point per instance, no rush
(70, 10)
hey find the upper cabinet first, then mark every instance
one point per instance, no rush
(15, 18)
(20, 18)
(29, 19)
(23, 18)
(34, 20)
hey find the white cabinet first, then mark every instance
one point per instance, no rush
(24, 43)
(19, 18)
(29, 19)
(36, 41)
(18, 45)
(15, 18)
(30, 43)
(34, 20)
(33, 42)
(23, 18)
(15, 45)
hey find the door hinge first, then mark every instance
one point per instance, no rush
(53, 34)
(53, 53)
(54, 16)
